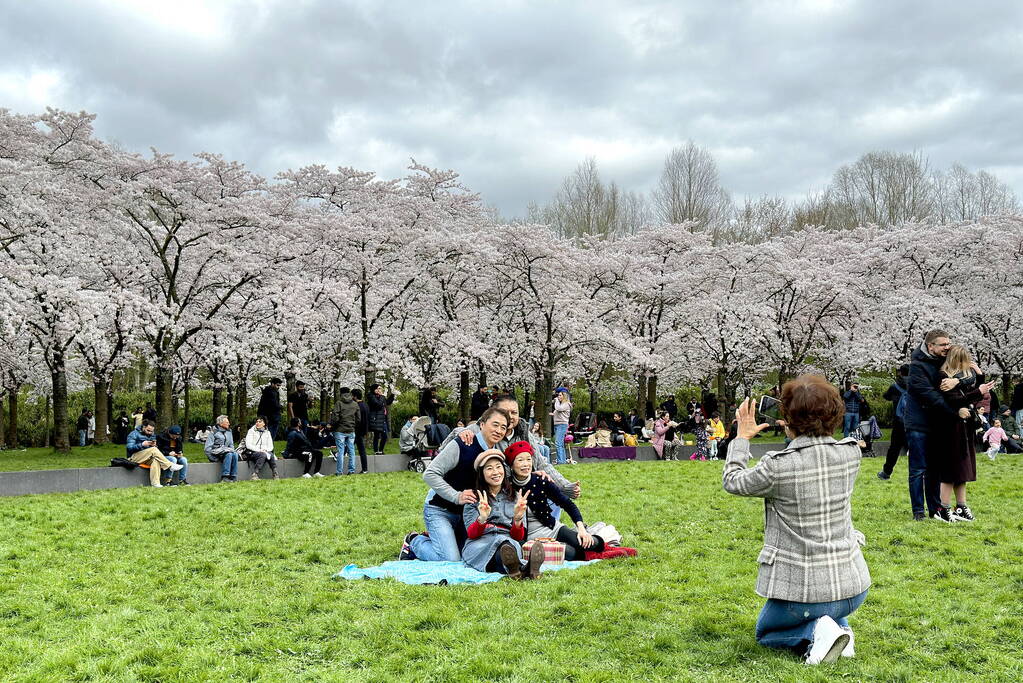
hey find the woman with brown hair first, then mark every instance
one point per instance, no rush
(962, 386)
(811, 569)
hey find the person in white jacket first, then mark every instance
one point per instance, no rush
(260, 445)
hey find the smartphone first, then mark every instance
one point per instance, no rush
(769, 409)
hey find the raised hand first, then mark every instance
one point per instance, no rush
(746, 415)
(985, 389)
(483, 506)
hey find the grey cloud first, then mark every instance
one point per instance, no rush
(513, 96)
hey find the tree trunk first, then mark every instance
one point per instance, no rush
(1006, 390)
(482, 374)
(544, 403)
(289, 382)
(229, 403)
(110, 406)
(3, 432)
(48, 432)
(243, 404)
(593, 398)
(61, 442)
(186, 425)
(641, 396)
(99, 395)
(463, 394)
(164, 394)
(12, 416)
(218, 400)
(720, 388)
(324, 403)
(651, 392)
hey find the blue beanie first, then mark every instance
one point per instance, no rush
(174, 430)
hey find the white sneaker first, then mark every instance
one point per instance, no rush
(176, 466)
(829, 639)
(849, 650)
(317, 475)
(307, 476)
(156, 486)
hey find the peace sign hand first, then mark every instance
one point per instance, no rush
(483, 506)
(520, 505)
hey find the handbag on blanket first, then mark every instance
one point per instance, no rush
(630, 440)
(553, 551)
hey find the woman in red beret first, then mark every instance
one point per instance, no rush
(540, 494)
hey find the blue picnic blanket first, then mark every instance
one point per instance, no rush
(417, 572)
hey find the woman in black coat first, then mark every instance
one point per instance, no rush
(379, 417)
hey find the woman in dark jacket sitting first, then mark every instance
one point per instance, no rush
(300, 448)
(811, 569)
(379, 418)
(541, 493)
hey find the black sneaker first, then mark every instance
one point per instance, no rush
(184, 482)
(883, 476)
(963, 513)
(945, 515)
(919, 517)
(406, 547)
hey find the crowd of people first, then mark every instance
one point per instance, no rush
(494, 487)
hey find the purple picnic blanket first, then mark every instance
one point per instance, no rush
(611, 453)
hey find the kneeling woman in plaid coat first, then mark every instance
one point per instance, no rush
(495, 526)
(541, 494)
(811, 569)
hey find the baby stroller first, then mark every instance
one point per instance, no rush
(867, 432)
(426, 441)
(585, 424)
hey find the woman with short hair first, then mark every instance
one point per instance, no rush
(260, 445)
(811, 569)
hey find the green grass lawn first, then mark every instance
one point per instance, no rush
(99, 456)
(234, 582)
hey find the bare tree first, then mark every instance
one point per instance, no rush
(760, 219)
(884, 188)
(961, 195)
(689, 189)
(586, 207)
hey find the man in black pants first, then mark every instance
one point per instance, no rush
(898, 439)
(361, 428)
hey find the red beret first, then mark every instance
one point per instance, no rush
(516, 448)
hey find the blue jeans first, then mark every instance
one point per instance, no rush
(183, 472)
(559, 442)
(229, 463)
(82, 434)
(923, 484)
(345, 449)
(789, 625)
(447, 536)
(850, 424)
(545, 451)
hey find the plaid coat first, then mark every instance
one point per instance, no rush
(811, 551)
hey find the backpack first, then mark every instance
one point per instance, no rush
(123, 462)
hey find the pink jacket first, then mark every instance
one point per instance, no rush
(660, 429)
(995, 436)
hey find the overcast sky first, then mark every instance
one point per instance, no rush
(514, 95)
